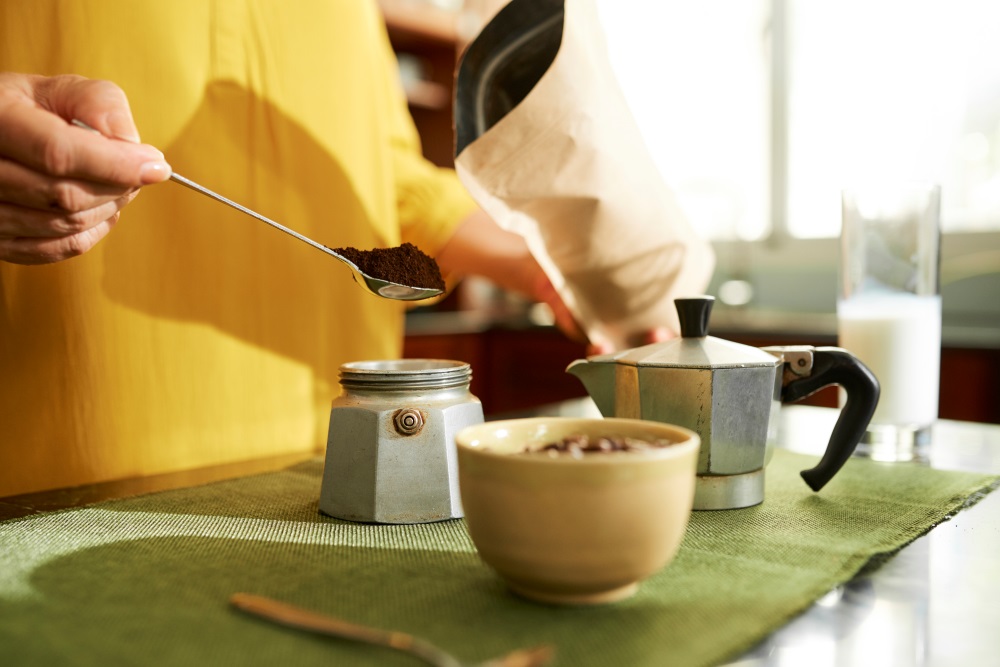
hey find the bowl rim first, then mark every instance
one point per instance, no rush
(677, 449)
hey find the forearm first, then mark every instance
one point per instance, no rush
(480, 247)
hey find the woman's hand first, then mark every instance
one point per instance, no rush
(62, 187)
(480, 247)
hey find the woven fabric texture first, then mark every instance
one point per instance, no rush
(146, 580)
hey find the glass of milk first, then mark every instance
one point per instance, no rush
(889, 308)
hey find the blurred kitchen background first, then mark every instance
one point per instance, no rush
(757, 113)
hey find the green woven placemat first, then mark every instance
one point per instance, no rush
(146, 580)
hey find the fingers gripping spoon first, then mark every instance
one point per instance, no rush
(376, 286)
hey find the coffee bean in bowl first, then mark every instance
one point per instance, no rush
(580, 444)
(576, 528)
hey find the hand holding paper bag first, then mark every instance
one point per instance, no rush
(546, 144)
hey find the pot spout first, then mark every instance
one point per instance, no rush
(598, 378)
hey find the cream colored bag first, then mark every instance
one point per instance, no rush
(547, 146)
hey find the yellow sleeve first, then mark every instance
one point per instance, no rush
(430, 200)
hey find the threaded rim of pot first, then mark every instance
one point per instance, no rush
(405, 374)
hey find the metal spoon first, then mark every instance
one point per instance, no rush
(377, 286)
(303, 619)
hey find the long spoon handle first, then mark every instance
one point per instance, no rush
(225, 200)
(187, 182)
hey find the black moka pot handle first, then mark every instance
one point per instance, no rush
(836, 366)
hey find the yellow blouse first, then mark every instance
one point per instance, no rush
(194, 335)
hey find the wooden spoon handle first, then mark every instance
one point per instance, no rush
(304, 619)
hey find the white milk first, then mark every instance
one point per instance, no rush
(899, 338)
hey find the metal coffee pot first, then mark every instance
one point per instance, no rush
(730, 394)
(390, 455)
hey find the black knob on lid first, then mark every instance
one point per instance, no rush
(693, 313)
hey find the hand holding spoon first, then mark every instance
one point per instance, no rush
(374, 285)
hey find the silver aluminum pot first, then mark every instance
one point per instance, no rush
(390, 454)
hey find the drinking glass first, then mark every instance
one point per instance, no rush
(889, 308)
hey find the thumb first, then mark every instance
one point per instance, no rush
(100, 104)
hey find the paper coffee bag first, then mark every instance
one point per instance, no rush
(546, 144)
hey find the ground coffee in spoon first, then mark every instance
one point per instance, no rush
(403, 265)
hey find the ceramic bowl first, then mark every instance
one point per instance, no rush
(570, 530)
